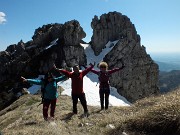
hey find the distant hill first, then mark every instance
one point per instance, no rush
(167, 61)
(167, 66)
(169, 80)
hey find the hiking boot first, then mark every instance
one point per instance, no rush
(51, 119)
(46, 119)
(75, 112)
(102, 108)
(86, 114)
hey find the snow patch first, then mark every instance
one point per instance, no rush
(35, 88)
(91, 58)
(90, 81)
(52, 44)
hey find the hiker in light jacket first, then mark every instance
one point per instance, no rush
(104, 88)
(50, 92)
(77, 86)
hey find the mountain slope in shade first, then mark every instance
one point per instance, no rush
(169, 81)
(165, 66)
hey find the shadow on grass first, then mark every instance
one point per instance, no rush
(68, 116)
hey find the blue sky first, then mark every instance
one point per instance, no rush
(157, 21)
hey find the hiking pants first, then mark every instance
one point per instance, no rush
(104, 92)
(46, 104)
(82, 99)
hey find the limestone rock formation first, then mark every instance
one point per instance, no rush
(140, 76)
(52, 43)
(73, 33)
(111, 27)
(60, 44)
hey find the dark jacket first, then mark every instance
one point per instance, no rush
(104, 77)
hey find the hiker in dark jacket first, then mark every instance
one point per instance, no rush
(50, 92)
(77, 86)
(104, 88)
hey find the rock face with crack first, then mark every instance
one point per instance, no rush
(140, 76)
(60, 44)
(52, 43)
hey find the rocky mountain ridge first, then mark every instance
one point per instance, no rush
(140, 77)
(60, 44)
(50, 44)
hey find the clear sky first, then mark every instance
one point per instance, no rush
(157, 21)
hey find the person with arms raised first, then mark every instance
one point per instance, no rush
(77, 86)
(104, 88)
(49, 84)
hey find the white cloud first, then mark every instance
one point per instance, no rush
(2, 18)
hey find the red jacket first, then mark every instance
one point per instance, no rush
(104, 77)
(77, 80)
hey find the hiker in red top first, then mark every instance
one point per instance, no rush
(104, 88)
(77, 86)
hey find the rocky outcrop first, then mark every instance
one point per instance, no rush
(110, 27)
(140, 76)
(74, 55)
(52, 43)
(73, 33)
(60, 44)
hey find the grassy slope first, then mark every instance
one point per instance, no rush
(154, 115)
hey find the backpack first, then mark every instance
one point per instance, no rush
(43, 90)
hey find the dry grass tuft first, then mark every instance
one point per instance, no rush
(150, 116)
(155, 116)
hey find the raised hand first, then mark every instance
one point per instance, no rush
(54, 66)
(123, 66)
(92, 64)
(84, 66)
(23, 79)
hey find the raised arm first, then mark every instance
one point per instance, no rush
(95, 71)
(115, 70)
(66, 73)
(32, 81)
(84, 72)
(61, 78)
